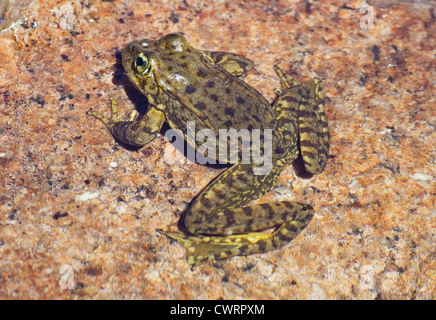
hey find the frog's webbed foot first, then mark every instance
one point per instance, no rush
(201, 249)
(301, 117)
(109, 123)
(132, 132)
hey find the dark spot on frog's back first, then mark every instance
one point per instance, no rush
(229, 112)
(190, 89)
(240, 100)
(214, 97)
(210, 84)
(256, 118)
(200, 106)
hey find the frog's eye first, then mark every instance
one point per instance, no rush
(141, 64)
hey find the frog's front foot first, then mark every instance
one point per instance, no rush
(114, 116)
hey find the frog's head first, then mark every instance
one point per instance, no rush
(144, 63)
(136, 59)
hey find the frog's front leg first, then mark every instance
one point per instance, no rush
(233, 63)
(133, 132)
(221, 225)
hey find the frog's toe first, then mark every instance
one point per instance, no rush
(114, 115)
(193, 256)
(93, 113)
(278, 91)
(133, 115)
(315, 87)
(98, 116)
(110, 122)
(286, 79)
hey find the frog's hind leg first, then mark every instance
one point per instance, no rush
(200, 249)
(222, 226)
(301, 117)
(233, 63)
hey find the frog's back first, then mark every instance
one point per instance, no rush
(209, 95)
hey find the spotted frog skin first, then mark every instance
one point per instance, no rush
(184, 84)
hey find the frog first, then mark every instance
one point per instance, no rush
(182, 84)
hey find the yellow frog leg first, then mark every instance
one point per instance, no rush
(133, 132)
(221, 226)
(200, 249)
(300, 108)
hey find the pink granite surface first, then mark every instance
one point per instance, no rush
(74, 203)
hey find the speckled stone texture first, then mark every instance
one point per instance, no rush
(79, 212)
